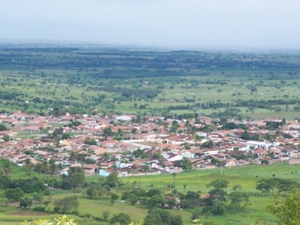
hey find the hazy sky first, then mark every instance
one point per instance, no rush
(161, 23)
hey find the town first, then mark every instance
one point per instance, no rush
(134, 145)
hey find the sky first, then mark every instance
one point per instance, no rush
(181, 24)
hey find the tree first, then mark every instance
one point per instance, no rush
(184, 187)
(74, 179)
(112, 180)
(25, 202)
(38, 168)
(208, 144)
(133, 199)
(281, 184)
(3, 127)
(90, 141)
(113, 198)
(66, 204)
(245, 135)
(218, 184)
(155, 201)
(191, 200)
(6, 138)
(4, 181)
(133, 130)
(265, 185)
(286, 209)
(218, 209)
(121, 218)
(96, 191)
(6, 167)
(52, 167)
(28, 166)
(239, 200)
(162, 217)
(218, 194)
(107, 132)
(105, 215)
(14, 194)
(174, 176)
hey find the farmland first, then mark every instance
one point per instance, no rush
(246, 176)
(168, 83)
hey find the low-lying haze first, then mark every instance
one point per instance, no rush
(157, 23)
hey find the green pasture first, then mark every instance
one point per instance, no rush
(195, 180)
(221, 85)
(18, 172)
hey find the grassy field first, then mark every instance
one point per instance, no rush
(197, 179)
(18, 172)
(194, 181)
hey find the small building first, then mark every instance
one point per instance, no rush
(90, 168)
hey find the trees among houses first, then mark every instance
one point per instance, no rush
(6, 167)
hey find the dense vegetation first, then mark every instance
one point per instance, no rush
(85, 80)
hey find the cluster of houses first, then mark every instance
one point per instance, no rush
(148, 148)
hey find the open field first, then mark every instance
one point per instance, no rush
(197, 179)
(154, 83)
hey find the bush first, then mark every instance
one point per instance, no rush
(39, 208)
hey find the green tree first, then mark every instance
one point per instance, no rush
(208, 144)
(6, 138)
(112, 180)
(90, 141)
(121, 218)
(4, 181)
(238, 201)
(74, 179)
(113, 198)
(96, 191)
(38, 168)
(14, 194)
(174, 176)
(6, 167)
(107, 132)
(3, 127)
(155, 201)
(133, 199)
(162, 217)
(286, 209)
(28, 166)
(66, 204)
(105, 215)
(265, 185)
(245, 135)
(133, 130)
(218, 184)
(53, 169)
(25, 202)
